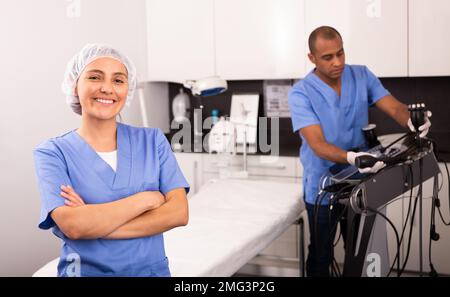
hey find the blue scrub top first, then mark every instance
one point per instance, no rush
(145, 162)
(312, 102)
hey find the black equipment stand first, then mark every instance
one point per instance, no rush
(375, 192)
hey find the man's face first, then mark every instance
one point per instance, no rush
(329, 57)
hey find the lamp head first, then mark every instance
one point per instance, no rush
(208, 86)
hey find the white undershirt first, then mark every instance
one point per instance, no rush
(110, 158)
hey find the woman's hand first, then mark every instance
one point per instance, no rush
(72, 198)
(154, 198)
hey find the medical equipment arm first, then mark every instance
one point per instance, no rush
(314, 136)
(394, 109)
(173, 213)
(98, 220)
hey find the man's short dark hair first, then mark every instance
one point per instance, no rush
(326, 32)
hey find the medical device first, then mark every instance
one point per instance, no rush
(244, 115)
(204, 87)
(370, 135)
(222, 140)
(236, 134)
(410, 161)
(181, 107)
(208, 86)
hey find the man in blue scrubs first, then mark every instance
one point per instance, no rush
(329, 107)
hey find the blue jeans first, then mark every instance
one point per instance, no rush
(320, 249)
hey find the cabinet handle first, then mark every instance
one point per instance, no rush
(219, 165)
(270, 166)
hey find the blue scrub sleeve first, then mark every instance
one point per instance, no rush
(375, 88)
(302, 113)
(170, 175)
(51, 174)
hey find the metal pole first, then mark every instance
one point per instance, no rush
(244, 146)
(420, 216)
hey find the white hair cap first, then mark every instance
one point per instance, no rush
(88, 54)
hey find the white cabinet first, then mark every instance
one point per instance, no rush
(429, 39)
(237, 39)
(267, 39)
(199, 168)
(259, 39)
(180, 39)
(191, 166)
(374, 31)
(259, 167)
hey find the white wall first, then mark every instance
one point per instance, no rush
(37, 40)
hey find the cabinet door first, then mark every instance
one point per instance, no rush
(258, 166)
(374, 31)
(190, 165)
(259, 39)
(429, 39)
(180, 39)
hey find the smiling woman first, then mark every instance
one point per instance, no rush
(83, 66)
(108, 190)
(103, 88)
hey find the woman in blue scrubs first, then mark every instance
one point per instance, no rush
(108, 190)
